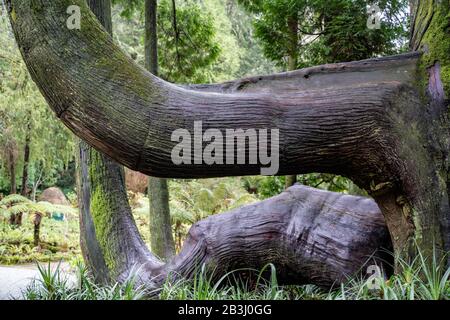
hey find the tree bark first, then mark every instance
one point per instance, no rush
(162, 243)
(37, 219)
(380, 122)
(110, 240)
(151, 36)
(331, 118)
(161, 237)
(11, 153)
(26, 158)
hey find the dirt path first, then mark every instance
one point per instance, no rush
(15, 279)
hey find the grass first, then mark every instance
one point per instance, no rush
(420, 280)
(54, 285)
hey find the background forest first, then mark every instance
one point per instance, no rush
(199, 41)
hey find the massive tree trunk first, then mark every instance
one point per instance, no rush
(380, 122)
(162, 243)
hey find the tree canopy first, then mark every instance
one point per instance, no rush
(327, 31)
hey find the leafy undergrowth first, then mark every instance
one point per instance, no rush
(420, 280)
(59, 240)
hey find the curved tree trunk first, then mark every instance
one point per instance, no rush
(110, 240)
(380, 122)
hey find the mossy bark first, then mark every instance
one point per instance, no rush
(162, 243)
(429, 210)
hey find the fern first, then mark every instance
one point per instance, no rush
(13, 199)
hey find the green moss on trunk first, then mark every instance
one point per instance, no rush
(434, 18)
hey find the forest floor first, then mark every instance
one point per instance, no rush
(15, 279)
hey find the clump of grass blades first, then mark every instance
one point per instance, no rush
(232, 287)
(54, 285)
(422, 279)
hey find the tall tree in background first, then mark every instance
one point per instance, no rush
(26, 155)
(162, 242)
(187, 44)
(31, 137)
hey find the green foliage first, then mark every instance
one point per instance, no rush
(202, 198)
(346, 36)
(13, 199)
(215, 40)
(24, 112)
(326, 31)
(247, 49)
(436, 43)
(194, 200)
(266, 187)
(58, 240)
(18, 242)
(14, 204)
(186, 49)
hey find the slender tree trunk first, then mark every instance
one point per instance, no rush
(151, 36)
(37, 229)
(36, 185)
(12, 175)
(26, 158)
(292, 65)
(162, 243)
(292, 22)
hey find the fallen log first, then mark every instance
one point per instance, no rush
(311, 236)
